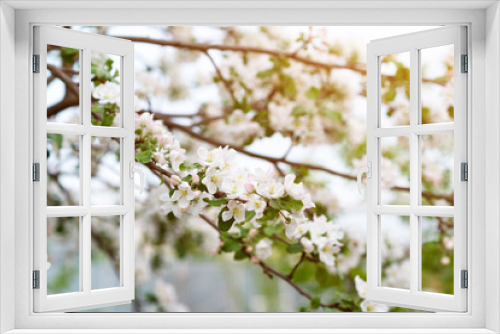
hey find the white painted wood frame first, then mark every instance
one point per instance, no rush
(415, 297)
(86, 297)
(18, 17)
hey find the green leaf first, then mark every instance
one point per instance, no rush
(107, 120)
(299, 110)
(289, 88)
(144, 156)
(183, 166)
(56, 138)
(171, 192)
(265, 74)
(315, 303)
(230, 244)
(304, 309)
(321, 275)
(294, 248)
(269, 230)
(313, 93)
(215, 202)
(249, 215)
(240, 255)
(188, 178)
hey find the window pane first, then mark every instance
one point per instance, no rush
(63, 255)
(105, 252)
(63, 169)
(63, 85)
(105, 87)
(106, 177)
(395, 251)
(437, 84)
(395, 170)
(437, 254)
(395, 89)
(437, 169)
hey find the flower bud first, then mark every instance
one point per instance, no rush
(175, 179)
(249, 187)
(252, 233)
(221, 244)
(184, 210)
(445, 260)
(197, 194)
(196, 178)
(254, 260)
(249, 249)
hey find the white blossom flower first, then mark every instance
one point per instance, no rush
(326, 250)
(368, 306)
(212, 180)
(271, 189)
(296, 190)
(108, 92)
(307, 244)
(263, 248)
(448, 242)
(295, 231)
(255, 203)
(184, 195)
(232, 187)
(361, 286)
(235, 210)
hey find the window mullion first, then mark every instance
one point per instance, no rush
(85, 238)
(414, 171)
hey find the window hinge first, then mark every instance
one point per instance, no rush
(465, 64)
(36, 279)
(36, 63)
(464, 279)
(464, 171)
(36, 172)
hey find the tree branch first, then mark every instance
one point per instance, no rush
(215, 142)
(203, 47)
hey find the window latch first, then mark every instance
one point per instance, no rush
(132, 170)
(365, 170)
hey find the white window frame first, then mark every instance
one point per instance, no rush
(415, 297)
(85, 297)
(483, 100)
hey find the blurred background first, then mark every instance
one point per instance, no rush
(297, 93)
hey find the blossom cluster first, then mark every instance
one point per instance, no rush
(241, 197)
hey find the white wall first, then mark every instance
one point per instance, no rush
(492, 165)
(7, 19)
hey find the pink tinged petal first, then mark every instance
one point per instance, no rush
(226, 215)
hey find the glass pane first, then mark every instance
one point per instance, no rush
(437, 169)
(395, 251)
(63, 255)
(106, 177)
(63, 169)
(437, 84)
(105, 88)
(105, 252)
(63, 85)
(395, 170)
(395, 89)
(437, 254)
